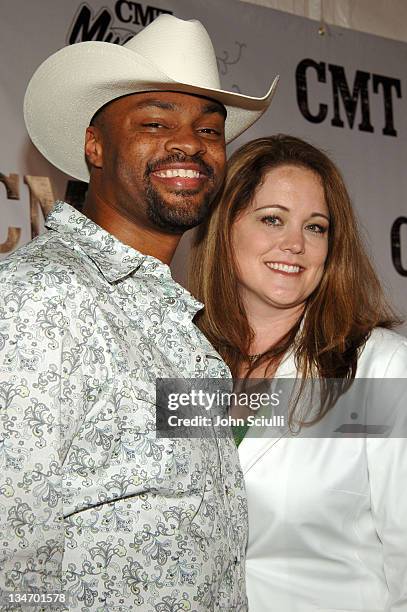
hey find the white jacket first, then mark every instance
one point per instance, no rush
(328, 517)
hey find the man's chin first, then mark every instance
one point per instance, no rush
(178, 220)
(177, 223)
(180, 214)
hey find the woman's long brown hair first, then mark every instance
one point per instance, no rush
(344, 308)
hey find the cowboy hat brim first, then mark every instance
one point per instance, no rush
(74, 83)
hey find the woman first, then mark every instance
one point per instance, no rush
(290, 292)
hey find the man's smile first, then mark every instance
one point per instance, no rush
(181, 175)
(184, 173)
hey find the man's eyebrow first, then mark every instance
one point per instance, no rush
(211, 107)
(215, 107)
(155, 104)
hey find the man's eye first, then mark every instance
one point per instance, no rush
(271, 220)
(210, 131)
(153, 124)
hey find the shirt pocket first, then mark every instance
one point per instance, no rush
(166, 466)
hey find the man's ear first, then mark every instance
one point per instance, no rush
(94, 146)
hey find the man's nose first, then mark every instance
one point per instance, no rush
(186, 140)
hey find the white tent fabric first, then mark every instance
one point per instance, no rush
(386, 18)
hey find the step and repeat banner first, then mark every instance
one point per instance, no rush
(344, 91)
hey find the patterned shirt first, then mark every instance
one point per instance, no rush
(92, 502)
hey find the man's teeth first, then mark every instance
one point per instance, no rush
(284, 267)
(181, 172)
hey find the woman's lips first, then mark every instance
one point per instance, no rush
(284, 267)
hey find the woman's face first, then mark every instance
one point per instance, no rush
(281, 240)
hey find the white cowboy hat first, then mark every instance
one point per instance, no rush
(170, 54)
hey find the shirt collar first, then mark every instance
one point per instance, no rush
(114, 259)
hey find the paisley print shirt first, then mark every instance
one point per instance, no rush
(92, 502)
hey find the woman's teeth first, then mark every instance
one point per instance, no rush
(283, 267)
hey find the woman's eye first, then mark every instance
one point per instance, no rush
(317, 228)
(271, 220)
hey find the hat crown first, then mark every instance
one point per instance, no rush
(181, 49)
(72, 84)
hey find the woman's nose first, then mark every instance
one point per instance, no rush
(293, 240)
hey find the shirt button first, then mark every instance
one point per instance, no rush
(198, 358)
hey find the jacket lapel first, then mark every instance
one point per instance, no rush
(258, 441)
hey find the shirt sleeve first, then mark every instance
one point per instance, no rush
(37, 414)
(387, 464)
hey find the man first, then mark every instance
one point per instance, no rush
(95, 507)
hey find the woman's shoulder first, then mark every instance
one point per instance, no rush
(386, 339)
(384, 355)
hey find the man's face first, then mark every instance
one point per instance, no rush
(162, 158)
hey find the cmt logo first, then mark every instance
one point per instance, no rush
(316, 112)
(89, 26)
(396, 251)
(41, 201)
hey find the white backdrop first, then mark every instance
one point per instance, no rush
(341, 91)
(381, 17)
